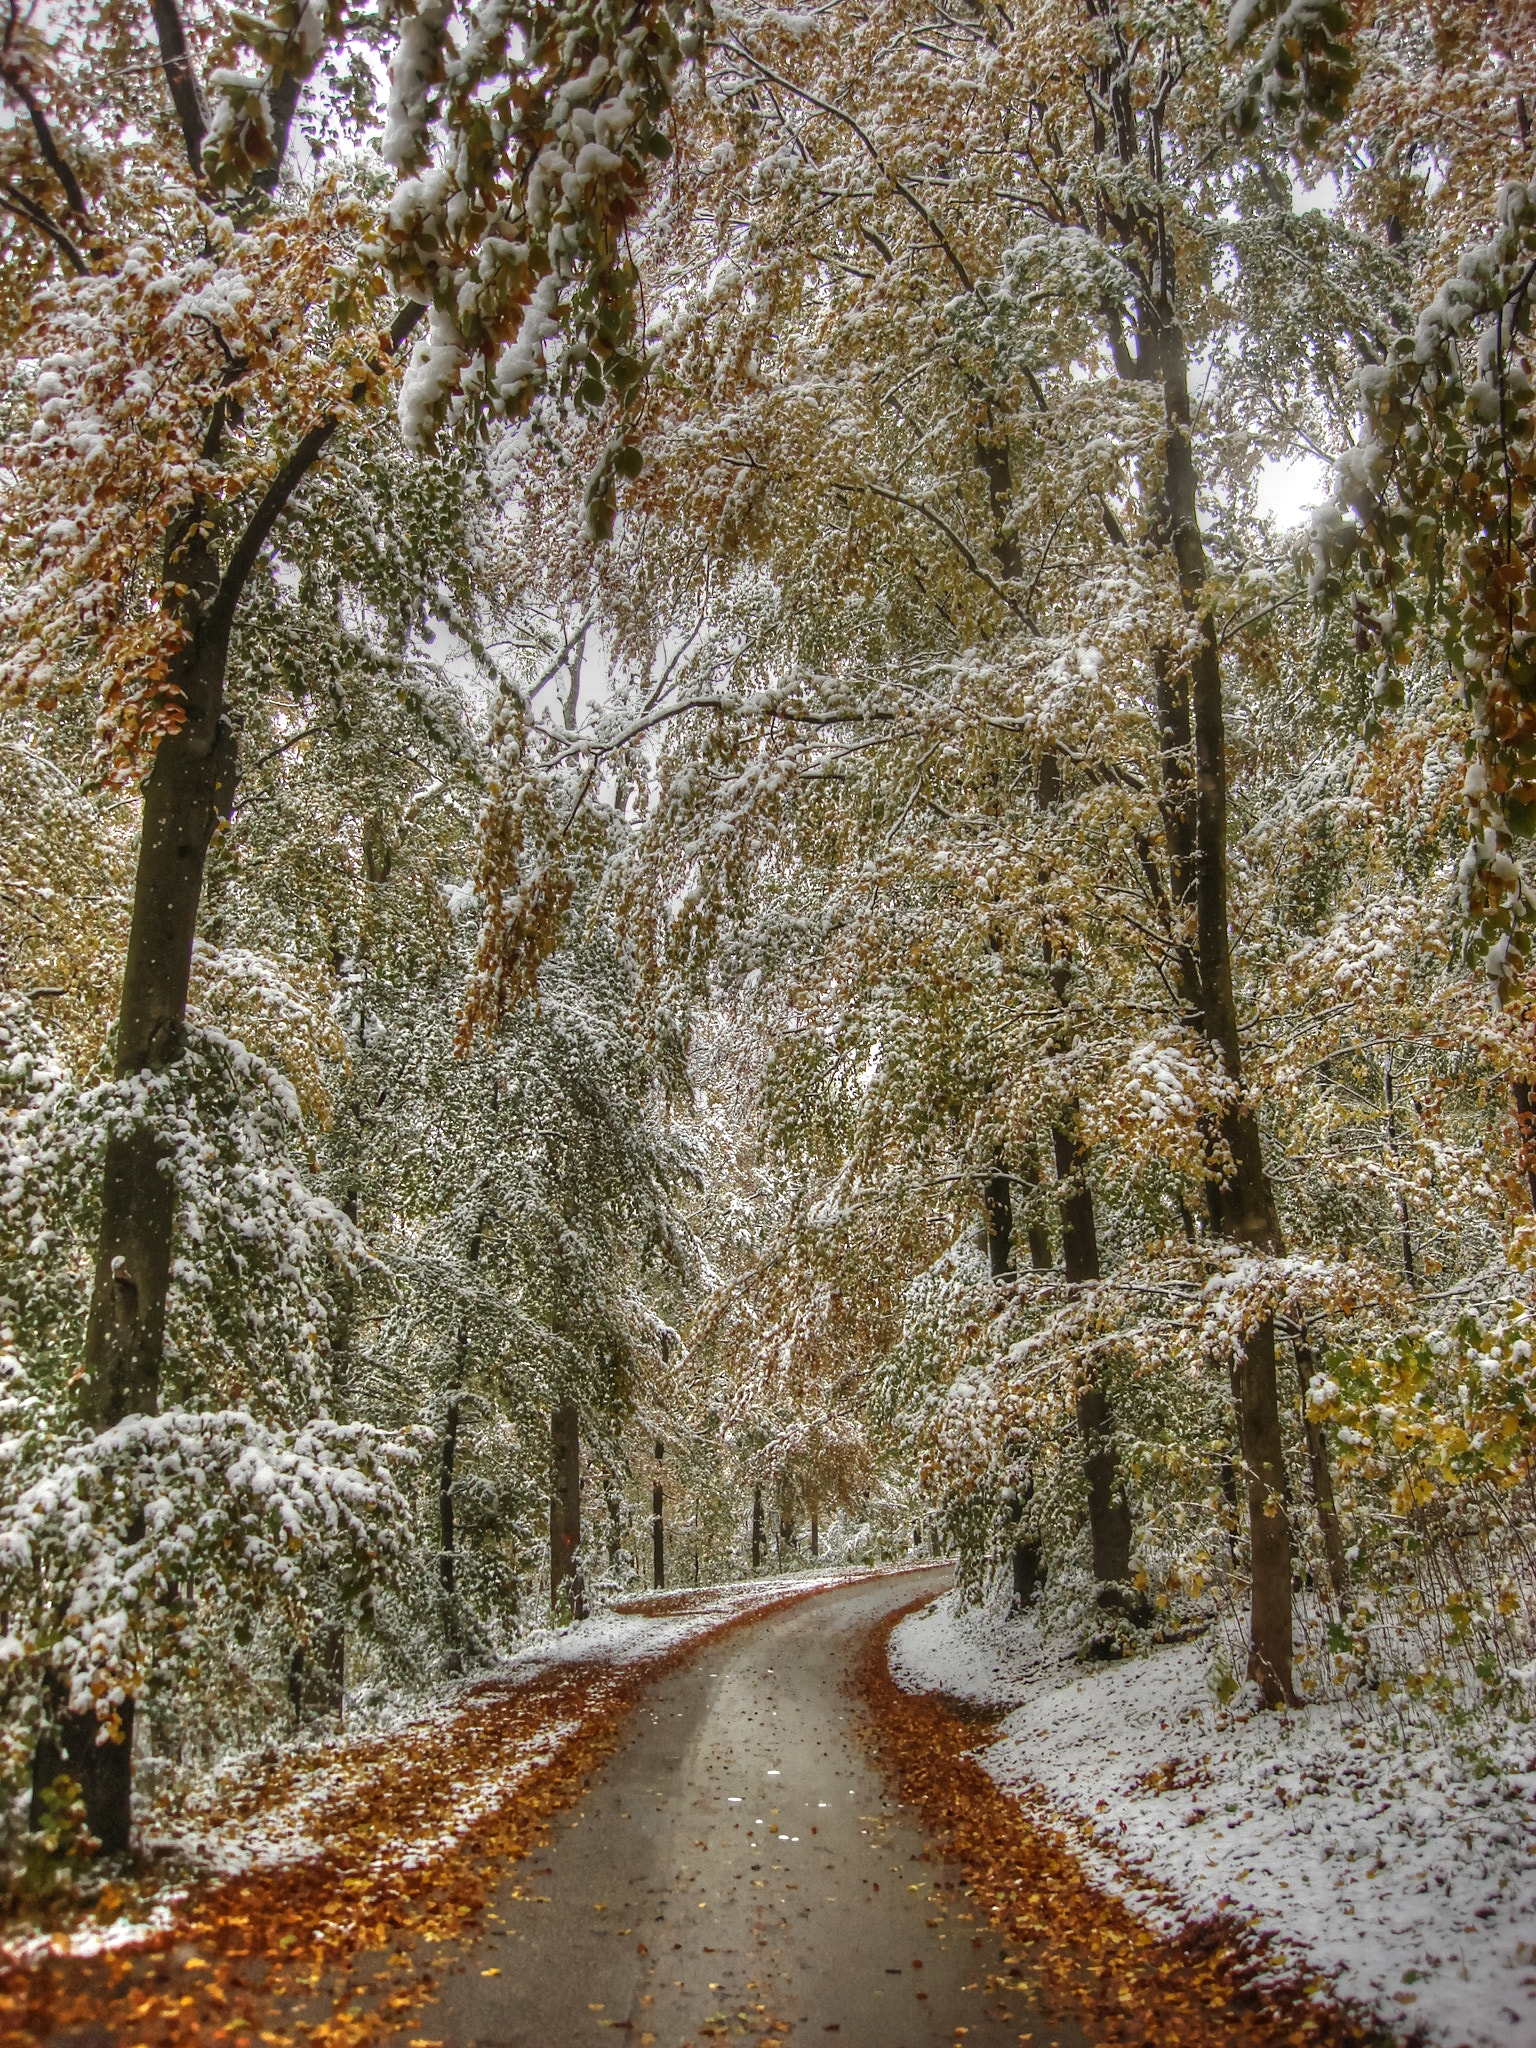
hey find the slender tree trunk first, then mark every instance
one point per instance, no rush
(658, 1526)
(1525, 1124)
(565, 1507)
(1400, 1196)
(1248, 1211)
(815, 1533)
(1038, 1237)
(1109, 1515)
(447, 1563)
(187, 795)
(757, 1528)
(999, 1207)
(1322, 1482)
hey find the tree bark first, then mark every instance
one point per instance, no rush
(1109, 1516)
(815, 1533)
(565, 1508)
(447, 1563)
(757, 1528)
(999, 1205)
(102, 1770)
(1037, 1236)
(187, 796)
(1247, 1205)
(1322, 1482)
(658, 1525)
(1525, 1124)
(1027, 1575)
(1110, 1527)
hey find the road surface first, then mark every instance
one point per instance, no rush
(738, 1871)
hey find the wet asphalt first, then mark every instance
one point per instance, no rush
(738, 1871)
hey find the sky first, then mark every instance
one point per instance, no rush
(1287, 491)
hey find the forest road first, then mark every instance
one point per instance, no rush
(739, 1871)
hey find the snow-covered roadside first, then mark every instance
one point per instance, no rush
(1391, 1869)
(276, 1808)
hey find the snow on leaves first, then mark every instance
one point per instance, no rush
(1432, 509)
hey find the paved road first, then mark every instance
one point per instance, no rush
(739, 1864)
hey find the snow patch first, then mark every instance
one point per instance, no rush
(1399, 1867)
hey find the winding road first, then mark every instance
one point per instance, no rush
(738, 1870)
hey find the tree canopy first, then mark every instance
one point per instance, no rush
(671, 787)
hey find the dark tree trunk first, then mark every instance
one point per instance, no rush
(1027, 1574)
(1193, 736)
(999, 1205)
(187, 795)
(447, 1562)
(1109, 1515)
(1322, 1482)
(1038, 1237)
(565, 1508)
(815, 1534)
(757, 1528)
(1248, 1204)
(1525, 1124)
(102, 1770)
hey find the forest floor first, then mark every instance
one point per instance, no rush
(1397, 1867)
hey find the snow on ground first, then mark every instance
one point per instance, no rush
(1387, 1863)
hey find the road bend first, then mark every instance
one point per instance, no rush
(739, 1870)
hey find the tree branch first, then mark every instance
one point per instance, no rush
(282, 103)
(287, 481)
(17, 202)
(73, 196)
(837, 114)
(179, 77)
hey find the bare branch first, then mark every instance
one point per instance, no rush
(837, 114)
(16, 202)
(287, 481)
(179, 77)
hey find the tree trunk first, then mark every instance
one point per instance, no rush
(1039, 1238)
(999, 1206)
(1027, 1575)
(447, 1563)
(1109, 1515)
(317, 1674)
(1248, 1211)
(187, 795)
(1525, 1124)
(1322, 1482)
(815, 1533)
(565, 1508)
(757, 1528)
(102, 1770)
